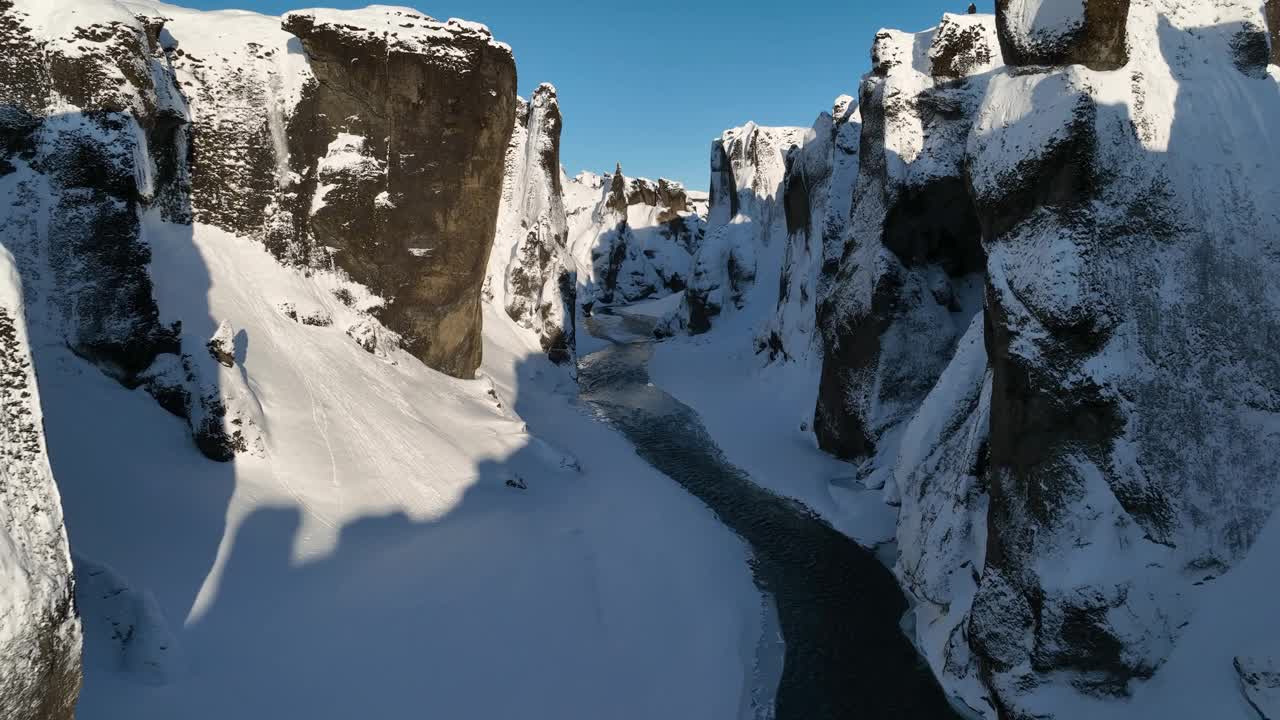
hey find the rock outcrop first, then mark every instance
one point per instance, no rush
(368, 140)
(632, 238)
(79, 107)
(1272, 11)
(817, 198)
(1063, 32)
(412, 118)
(912, 258)
(96, 155)
(531, 275)
(1260, 684)
(746, 218)
(1051, 345)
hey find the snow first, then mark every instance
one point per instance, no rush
(34, 559)
(1047, 21)
(208, 34)
(627, 256)
(403, 29)
(400, 540)
(373, 561)
(659, 309)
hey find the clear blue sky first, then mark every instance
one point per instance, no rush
(650, 83)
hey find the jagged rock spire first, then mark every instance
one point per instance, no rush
(973, 8)
(618, 191)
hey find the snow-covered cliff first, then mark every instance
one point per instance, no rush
(40, 633)
(1040, 247)
(266, 226)
(531, 274)
(1048, 341)
(746, 223)
(632, 238)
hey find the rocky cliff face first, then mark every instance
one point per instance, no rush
(531, 274)
(912, 256)
(372, 140)
(817, 198)
(1047, 334)
(368, 143)
(40, 633)
(339, 142)
(428, 108)
(745, 219)
(633, 238)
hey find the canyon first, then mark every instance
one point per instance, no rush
(304, 325)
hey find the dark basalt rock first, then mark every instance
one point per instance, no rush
(95, 251)
(617, 200)
(1272, 12)
(1250, 51)
(672, 195)
(873, 377)
(958, 47)
(1099, 42)
(442, 126)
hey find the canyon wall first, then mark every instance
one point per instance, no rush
(531, 275)
(1047, 336)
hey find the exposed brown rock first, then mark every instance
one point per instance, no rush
(1099, 42)
(960, 46)
(1272, 12)
(417, 231)
(618, 192)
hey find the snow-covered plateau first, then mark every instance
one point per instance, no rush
(326, 391)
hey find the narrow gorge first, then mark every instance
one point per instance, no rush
(329, 392)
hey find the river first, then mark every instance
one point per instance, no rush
(838, 607)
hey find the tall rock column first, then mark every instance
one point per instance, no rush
(530, 273)
(909, 276)
(1129, 323)
(410, 118)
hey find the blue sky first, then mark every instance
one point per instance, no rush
(649, 83)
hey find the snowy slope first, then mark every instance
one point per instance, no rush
(375, 559)
(383, 540)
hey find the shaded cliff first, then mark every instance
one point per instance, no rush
(368, 140)
(1046, 339)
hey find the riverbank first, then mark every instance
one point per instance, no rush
(838, 606)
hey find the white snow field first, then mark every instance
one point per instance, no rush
(373, 560)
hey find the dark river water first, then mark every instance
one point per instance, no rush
(838, 607)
